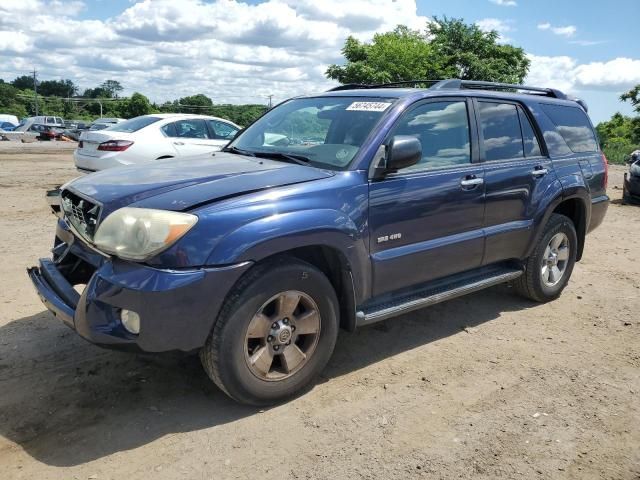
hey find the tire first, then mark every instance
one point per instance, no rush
(539, 284)
(240, 334)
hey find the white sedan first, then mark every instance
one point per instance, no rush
(152, 137)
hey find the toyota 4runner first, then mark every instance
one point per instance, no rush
(331, 211)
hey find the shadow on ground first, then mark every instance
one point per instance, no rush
(66, 402)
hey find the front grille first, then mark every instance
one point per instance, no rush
(82, 214)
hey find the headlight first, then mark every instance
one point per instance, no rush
(139, 233)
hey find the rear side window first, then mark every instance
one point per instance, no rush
(572, 123)
(133, 125)
(501, 131)
(531, 145)
(192, 128)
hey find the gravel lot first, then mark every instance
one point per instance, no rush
(486, 386)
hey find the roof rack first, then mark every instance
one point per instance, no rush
(457, 84)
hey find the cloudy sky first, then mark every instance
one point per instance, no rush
(240, 52)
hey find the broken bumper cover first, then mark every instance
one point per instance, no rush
(177, 308)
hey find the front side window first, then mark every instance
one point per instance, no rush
(222, 130)
(443, 131)
(325, 132)
(192, 128)
(573, 125)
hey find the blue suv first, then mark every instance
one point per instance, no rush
(331, 211)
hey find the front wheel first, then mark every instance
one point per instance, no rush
(275, 333)
(548, 269)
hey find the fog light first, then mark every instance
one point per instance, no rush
(130, 320)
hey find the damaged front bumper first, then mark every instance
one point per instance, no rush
(177, 308)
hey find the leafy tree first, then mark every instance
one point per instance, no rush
(633, 96)
(113, 88)
(619, 137)
(10, 103)
(57, 88)
(135, 106)
(402, 54)
(23, 82)
(448, 48)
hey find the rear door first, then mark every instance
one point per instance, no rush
(191, 137)
(426, 220)
(517, 173)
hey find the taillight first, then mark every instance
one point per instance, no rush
(115, 145)
(606, 170)
(80, 144)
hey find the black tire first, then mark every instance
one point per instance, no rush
(531, 284)
(224, 354)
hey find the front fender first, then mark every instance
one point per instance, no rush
(280, 233)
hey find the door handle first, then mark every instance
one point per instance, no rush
(178, 143)
(471, 182)
(539, 172)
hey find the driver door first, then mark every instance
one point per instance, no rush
(426, 220)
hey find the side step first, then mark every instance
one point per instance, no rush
(456, 286)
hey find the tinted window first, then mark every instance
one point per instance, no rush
(169, 129)
(222, 130)
(443, 131)
(50, 120)
(134, 124)
(501, 130)
(572, 123)
(531, 145)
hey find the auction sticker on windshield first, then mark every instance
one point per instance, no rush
(369, 106)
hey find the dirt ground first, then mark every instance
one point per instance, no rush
(486, 386)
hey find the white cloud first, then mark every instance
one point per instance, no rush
(230, 50)
(568, 31)
(505, 3)
(566, 74)
(503, 27)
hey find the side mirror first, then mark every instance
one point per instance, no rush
(402, 152)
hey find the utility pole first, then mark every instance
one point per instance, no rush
(35, 89)
(270, 97)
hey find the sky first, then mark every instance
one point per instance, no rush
(243, 51)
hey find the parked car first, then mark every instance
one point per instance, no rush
(46, 132)
(256, 255)
(11, 119)
(74, 128)
(102, 123)
(631, 186)
(152, 137)
(42, 120)
(7, 126)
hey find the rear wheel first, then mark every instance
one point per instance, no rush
(275, 333)
(548, 269)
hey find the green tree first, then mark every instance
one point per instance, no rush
(113, 87)
(402, 54)
(10, 103)
(448, 48)
(23, 82)
(57, 88)
(135, 106)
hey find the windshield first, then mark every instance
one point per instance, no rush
(132, 125)
(325, 131)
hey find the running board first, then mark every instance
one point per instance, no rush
(433, 295)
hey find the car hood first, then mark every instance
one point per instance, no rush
(182, 184)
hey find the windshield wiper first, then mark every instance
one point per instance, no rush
(291, 157)
(239, 151)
